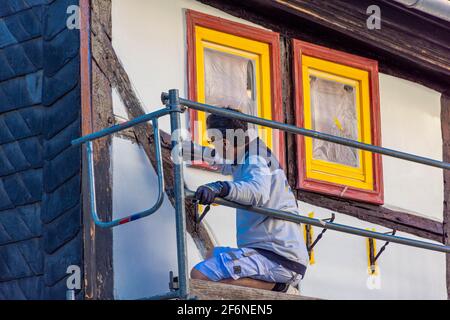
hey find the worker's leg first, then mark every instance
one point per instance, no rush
(243, 282)
(195, 274)
(211, 269)
(243, 267)
(209, 253)
(250, 283)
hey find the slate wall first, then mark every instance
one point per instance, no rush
(40, 195)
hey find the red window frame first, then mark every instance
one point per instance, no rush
(376, 195)
(193, 19)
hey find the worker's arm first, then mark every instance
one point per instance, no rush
(253, 188)
(194, 152)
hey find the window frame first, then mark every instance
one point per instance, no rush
(346, 60)
(272, 39)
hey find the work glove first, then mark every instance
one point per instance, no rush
(206, 194)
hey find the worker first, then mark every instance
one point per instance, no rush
(271, 253)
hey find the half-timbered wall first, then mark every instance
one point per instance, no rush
(156, 62)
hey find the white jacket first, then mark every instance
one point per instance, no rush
(260, 181)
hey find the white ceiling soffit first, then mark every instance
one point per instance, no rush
(437, 8)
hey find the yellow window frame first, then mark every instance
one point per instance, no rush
(360, 177)
(310, 235)
(257, 51)
(373, 270)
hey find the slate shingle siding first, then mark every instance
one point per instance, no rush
(40, 209)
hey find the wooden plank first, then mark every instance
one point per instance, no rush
(445, 125)
(208, 290)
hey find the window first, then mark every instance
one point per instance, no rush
(231, 64)
(337, 93)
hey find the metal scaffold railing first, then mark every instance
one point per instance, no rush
(174, 107)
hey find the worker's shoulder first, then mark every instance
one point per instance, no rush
(256, 159)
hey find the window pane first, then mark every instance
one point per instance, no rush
(230, 81)
(333, 109)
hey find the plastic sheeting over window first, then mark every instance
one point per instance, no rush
(234, 71)
(333, 108)
(229, 81)
(337, 93)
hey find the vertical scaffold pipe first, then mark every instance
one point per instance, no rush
(178, 188)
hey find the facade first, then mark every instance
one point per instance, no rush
(40, 173)
(312, 64)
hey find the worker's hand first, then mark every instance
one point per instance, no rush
(207, 193)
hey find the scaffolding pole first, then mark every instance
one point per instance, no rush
(288, 216)
(311, 133)
(178, 190)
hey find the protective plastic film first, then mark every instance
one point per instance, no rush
(230, 81)
(333, 109)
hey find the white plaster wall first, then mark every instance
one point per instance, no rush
(149, 37)
(410, 122)
(340, 269)
(145, 251)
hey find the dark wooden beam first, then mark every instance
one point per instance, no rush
(287, 82)
(102, 10)
(98, 242)
(104, 54)
(102, 117)
(445, 125)
(399, 34)
(127, 134)
(406, 46)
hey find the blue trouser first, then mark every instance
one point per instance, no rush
(227, 263)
